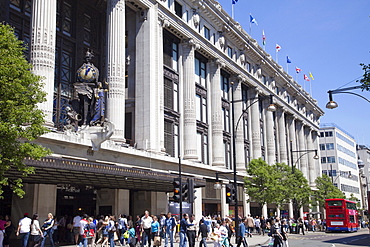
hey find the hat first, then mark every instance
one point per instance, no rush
(25, 214)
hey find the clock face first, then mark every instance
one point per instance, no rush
(87, 73)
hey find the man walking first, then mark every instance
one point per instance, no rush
(146, 228)
(184, 224)
(250, 225)
(203, 232)
(192, 230)
(241, 233)
(169, 226)
(24, 228)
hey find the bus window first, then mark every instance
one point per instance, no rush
(336, 216)
(351, 205)
(334, 203)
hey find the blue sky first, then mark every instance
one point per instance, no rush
(330, 38)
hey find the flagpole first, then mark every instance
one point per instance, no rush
(287, 66)
(276, 56)
(232, 10)
(311, 89)
(304, 85)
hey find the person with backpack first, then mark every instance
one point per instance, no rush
(111, 230)
(90, 230)
(48, 230)
(122, 227)
(83, 223)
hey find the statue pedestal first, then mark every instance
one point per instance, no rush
(98, 134)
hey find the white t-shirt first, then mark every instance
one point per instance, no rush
(25, 224)
(146, 222)
(76, 221)
(35, 228)
(83, 224)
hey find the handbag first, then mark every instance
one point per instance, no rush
(115, 236)
(157, 241)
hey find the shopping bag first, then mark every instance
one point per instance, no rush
(157, 241)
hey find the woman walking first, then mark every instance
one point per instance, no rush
(36, 233)
(48, 230)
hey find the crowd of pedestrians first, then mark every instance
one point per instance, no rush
(151, 230)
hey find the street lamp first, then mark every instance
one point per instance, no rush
(332, 104)
(272, 107)
(316, 156)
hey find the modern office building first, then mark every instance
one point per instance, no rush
(339, 159)
(177, 71)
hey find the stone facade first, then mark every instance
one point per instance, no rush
(173, 68)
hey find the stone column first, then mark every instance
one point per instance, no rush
(256, 128)
(291, 213)
(311, 160)
(149, 84)
(246, 204)
(270, 137)
(43, 29)
(302, 146)
(264, 211)
(116, 62)
(238, 112)
(190, 122)
(197, 206)
(292, 139)
(218, 157)
(282, 136)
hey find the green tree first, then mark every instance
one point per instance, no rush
(284, 178)
(298, 190)
(326, 190)
(355, 199)
(21, 122)
(262, 183)
(365, 80)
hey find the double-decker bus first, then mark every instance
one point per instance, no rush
(341, 215)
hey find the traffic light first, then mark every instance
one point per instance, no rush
(176, 190)
(192, 191)
(185, 192)
(229, 193)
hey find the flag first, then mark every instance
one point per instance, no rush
(288, 60)
(305, 78)
(278, 47)
(297, 69)
(263, 37)
(253, 20)
(234, 1)
(310, 75)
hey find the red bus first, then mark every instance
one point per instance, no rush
(341, 215)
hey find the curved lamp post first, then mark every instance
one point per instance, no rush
(332, 104)
(272, 107)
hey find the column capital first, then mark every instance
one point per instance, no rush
(218, 62)
(191, 43)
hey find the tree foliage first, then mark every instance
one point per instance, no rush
(326, 190)
(21, 122)
(262, 183)
(276, 184)
(365, 80)
(299, 189)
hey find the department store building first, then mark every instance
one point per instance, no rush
(172, 67)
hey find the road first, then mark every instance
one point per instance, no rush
(322, 239)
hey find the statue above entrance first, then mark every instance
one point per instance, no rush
(86, 117)
(89, 94)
